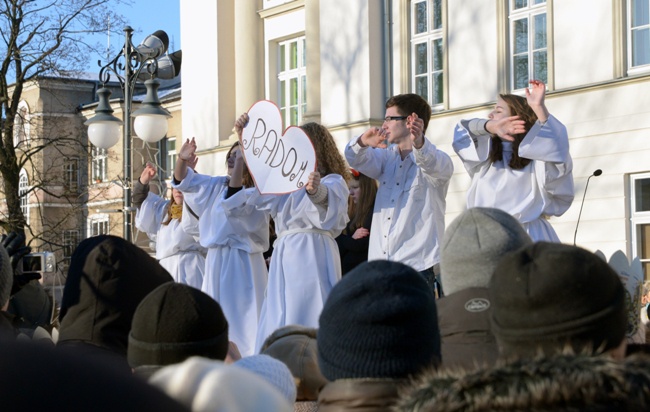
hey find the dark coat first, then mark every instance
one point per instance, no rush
(107, 279)
(464, 321)
(353, 251)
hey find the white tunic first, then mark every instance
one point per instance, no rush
(409, 216)
(541, 189)
(305, 264)
(235, 273)
(177, 246)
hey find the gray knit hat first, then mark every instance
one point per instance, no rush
(474, 243)
(6, 276)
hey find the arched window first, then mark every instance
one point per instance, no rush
(23, 188)
(21, 124)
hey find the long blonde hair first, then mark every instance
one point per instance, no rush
(328, 156)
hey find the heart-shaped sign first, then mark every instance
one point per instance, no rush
(279, 162)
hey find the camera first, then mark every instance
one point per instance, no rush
(40, 262)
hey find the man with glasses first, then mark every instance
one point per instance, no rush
(409, 216)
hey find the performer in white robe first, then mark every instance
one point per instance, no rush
(305, 264)
(235, 273)
(177, 246)
(537, 188)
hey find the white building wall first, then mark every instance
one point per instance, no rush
(606, 114)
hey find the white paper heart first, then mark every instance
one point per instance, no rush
(279, 162)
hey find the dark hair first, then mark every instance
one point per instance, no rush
(366, 202)
(247, 179)
(411, 103)
(518, 107)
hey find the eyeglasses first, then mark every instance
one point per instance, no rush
(389, 118)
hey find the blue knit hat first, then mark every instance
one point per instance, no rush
(379, 321)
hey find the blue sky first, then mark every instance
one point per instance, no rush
(145, 17)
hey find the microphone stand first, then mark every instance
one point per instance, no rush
(596, 172)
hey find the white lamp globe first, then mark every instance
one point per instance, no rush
(104, 134)
(150, 128)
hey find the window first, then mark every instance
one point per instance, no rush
(292, 80)
(640, 219)
(98, 225)
(71, 173)
(70, 242)
(638, 33)
(528, 42)
(23, 193)
(427, 51)
(21, 125)
(170, 157)
(99, 164)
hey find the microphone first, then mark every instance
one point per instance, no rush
(596, 172)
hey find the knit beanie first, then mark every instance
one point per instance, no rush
(295, 345)
(273, 371)
(474, 243)
(379, 321)
(176, 321)
(548, 295)
(6, 276)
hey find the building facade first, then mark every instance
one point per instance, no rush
(337, 61)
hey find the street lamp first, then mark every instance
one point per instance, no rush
(141, 63)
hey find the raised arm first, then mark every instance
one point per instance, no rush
(535, 98)
(141, 187)
(186, 158)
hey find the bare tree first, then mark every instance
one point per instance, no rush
(41, 38)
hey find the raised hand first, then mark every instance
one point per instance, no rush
(313, 183)
(374, 137)
(507, 127)
(416, 127)
(188, 152)
(535, 97)
(240, 124)
(148, 173)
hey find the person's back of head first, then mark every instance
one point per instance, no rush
(273, 371)
(473, 245)
(173, 323)
(206, 385)
(107, 279)
(296, 346)
(379, 321)
(550, 296)
(411, 103)
(561, 383)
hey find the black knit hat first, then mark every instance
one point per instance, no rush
(547, 295)
(379, 321)
(174, 322)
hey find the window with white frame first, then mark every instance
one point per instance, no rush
(99, 164)
(170, 156)
(70, 242)
(638, 33)
(71, 173)
(640, 219)
(23, 193)
(528, 42)
(21, 124)
(427, 50)
(98, 225)
(292, 80)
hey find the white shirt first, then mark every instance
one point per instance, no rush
(409, 216)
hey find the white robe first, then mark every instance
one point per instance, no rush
(235, 272)
(541, 189)
(177, 246)
(305, 264)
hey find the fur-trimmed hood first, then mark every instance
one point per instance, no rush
(560, 383)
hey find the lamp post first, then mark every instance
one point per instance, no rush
(142, 63)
